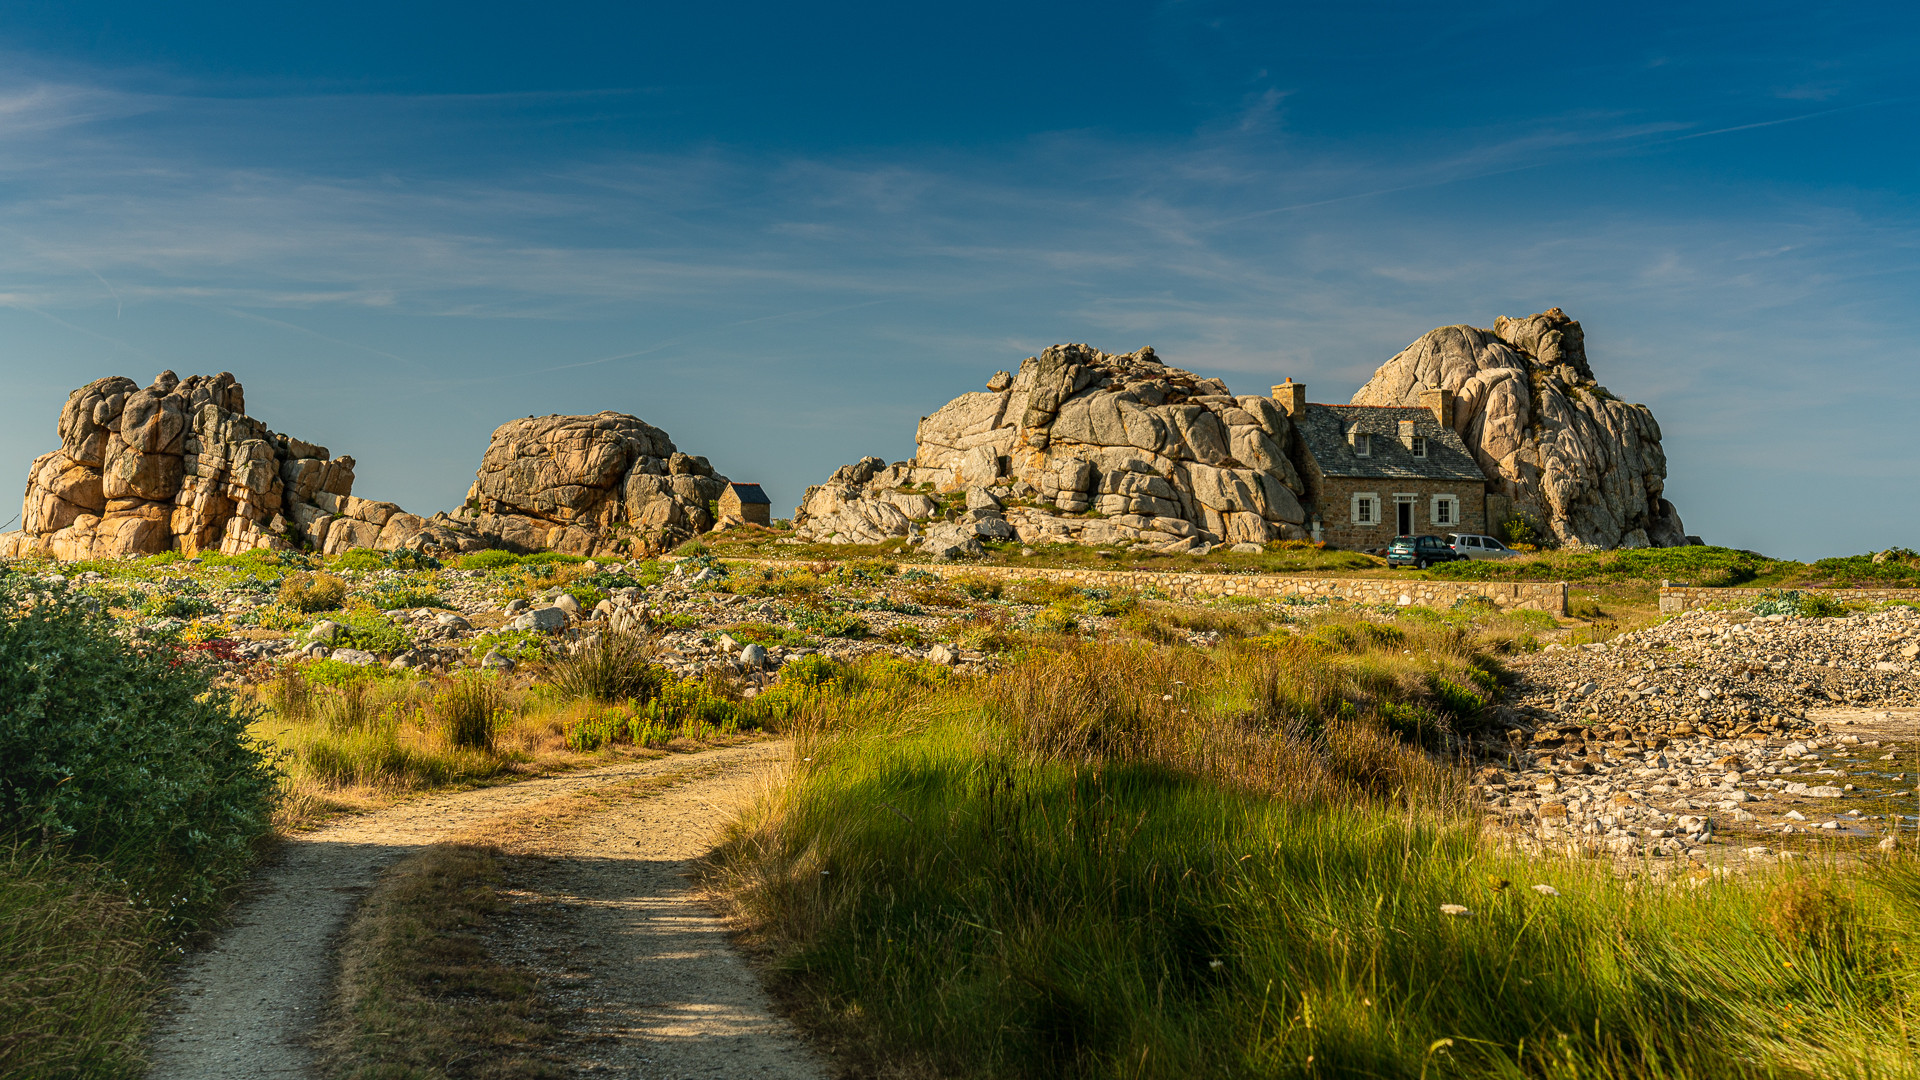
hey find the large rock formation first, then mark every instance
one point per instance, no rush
(180, 466)
(1081, 446)
(609, 484)
(1570, 455)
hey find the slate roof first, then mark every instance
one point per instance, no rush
(750, 493)
(1324, 429)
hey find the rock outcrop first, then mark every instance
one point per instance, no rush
(608, 484)
(1571, 456)
(1080, 446)
(180, 466)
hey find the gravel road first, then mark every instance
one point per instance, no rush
(245, 1007)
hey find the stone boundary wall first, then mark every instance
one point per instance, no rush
(1677, 598)
(1506, 596)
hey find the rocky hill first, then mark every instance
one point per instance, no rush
(180, 466)
(1080, 446)
(608, 484)
(1583, 464)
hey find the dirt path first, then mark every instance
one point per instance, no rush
(245, 1007)
(610, 919)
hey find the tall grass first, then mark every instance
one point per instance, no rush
(1129, 862)
(74, 980)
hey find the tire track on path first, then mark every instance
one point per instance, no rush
(245, 1007)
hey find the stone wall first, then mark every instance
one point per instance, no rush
(1400, 591)
(1677, 598)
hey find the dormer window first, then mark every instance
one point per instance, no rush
(1419, 445)
(1362, 444)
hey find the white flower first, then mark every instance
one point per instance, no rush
(1216, 964)
(1453, 909)
(1546, 890)
(1166, 697)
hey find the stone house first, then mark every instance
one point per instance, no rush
(746, 502)
(1375, 472)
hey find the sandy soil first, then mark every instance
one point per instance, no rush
(661, 991)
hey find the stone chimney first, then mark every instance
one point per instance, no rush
(1291, 396)
(1406, 433)
(1441, 403)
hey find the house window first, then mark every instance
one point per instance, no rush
(1366, 508)
(1419, 446)
(1362, 444)
(1446, 510)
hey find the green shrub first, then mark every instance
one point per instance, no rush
(404, 595)
(366, 628)
(1794, 602)
(359, 559)
(308, 591)
(128, 755)
(183, 601)
(492, 559)
(812, 671)
(520, 646)
(831, 623)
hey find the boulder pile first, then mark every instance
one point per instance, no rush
(1582, 464)
(604, 485)
(180, 466)
(1080, 446)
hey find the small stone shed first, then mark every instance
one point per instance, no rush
(747, 503)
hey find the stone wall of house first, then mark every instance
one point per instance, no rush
(1335, 506)
(1550, 597)
(1677, 598)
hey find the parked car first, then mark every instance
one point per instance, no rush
(1475, 546)
(1420, 552)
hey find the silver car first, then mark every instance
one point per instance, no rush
(1475, 546)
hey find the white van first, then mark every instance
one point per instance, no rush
(1479, 547)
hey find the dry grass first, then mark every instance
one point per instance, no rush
(419, 997)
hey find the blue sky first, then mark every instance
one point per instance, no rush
(783, 233)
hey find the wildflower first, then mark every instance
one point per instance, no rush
(1166, 697)
(1546, 890)
(1453, 909)
(1216, 965)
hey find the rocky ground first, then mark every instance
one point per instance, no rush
(1715, 732)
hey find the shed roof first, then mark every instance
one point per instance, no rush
(1324, 429)
(749, 493)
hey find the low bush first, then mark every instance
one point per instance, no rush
(358, 559)
(492, 559)
(610, 667)
(370, 629)
(310, 591)
(831, 623)
(128, 755)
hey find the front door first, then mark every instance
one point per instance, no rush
(1406, 519)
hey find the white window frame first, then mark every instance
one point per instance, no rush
(1418, 444)
(1372, 501)
(1452, 503)
(1362, 444)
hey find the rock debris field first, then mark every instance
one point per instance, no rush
(1715, 732)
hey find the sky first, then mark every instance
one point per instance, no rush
(784, 233)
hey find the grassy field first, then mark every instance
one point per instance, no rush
(1128, 861)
